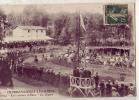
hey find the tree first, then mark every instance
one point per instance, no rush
(61, 26)
(45, 20)
(2, 22)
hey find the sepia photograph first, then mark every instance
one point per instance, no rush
(68, 50)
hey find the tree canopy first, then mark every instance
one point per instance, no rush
(65, 26)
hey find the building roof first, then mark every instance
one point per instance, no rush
(28, 39)
(31, 27)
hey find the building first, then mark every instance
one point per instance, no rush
(27, 33)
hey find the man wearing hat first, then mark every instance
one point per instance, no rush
(108, 89)
(102, 88)
(115, 92)
(96, 78)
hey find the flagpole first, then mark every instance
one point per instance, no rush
(78, 39)
(81, 24)
(85, 38)
(85, 52)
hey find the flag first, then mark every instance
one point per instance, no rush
(82, 22)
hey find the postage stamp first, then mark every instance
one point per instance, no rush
(116, 14)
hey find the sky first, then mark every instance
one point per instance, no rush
(54, 8)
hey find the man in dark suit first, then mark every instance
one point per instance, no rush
(88, 73)
(76, 72)
(57, 79)
(102, 88)
(108, 89)
(96, 78)
(122, 90)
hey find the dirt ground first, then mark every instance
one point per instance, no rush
(105, 72)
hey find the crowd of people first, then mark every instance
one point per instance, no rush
(57, 79)
(23, 44)
(5, 73)
(106, 88)
(113, 60)
(114, 89)
(98, 58)
(70, 56)
(110, 42)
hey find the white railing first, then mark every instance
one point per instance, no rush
(84, 83)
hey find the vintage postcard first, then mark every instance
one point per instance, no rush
(67, 50)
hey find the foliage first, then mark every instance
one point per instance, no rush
(66, 27)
